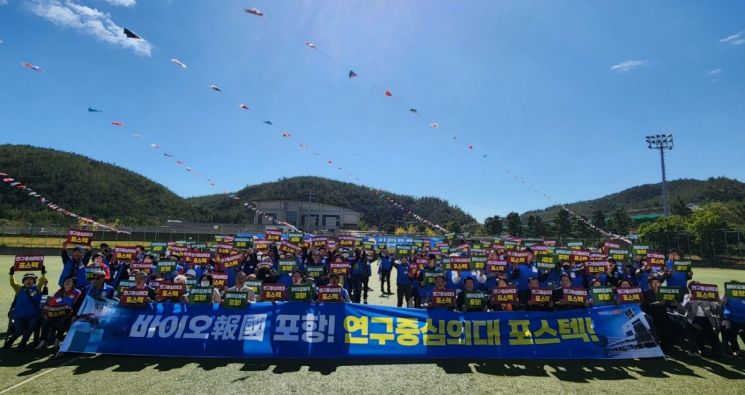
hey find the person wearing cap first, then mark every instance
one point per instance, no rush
(385, 266)
(26, 309)
(240, 286)
(702, 318)
(74, 265)
(97, 261)
(64, 299)
(96, 288)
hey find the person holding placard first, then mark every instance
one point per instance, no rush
(469, 298)
(425, 281)
(504, 297)
(74, 265)
(26, 309)
(57, 313)
(703, 319)
(240, 286)
(97, 288)
(206, 281)
(733, 323)
(440, 296)
(656, 309)
(678, 272)
(141, 285)
(334, 283)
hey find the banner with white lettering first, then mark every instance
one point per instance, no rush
(340, 330)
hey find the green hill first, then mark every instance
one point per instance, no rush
(375, 210)
(88, 187)
(112, 194)
(648, 197)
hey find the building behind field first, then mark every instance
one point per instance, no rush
(310, 216)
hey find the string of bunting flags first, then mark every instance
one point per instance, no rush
(20, 186)
(453, 137)
(286, 135)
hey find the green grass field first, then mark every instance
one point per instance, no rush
(40, 371)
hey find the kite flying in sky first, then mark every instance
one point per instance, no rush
(388, 93)
(434, 125)
(268, 122)
(91, 109)
(31, 66)
(215, 88)
(131, 34)
(117, 123)
(244, 106)
(310, 45)
(179, 63)
(352, 74)
(254, 11)
(413, 110)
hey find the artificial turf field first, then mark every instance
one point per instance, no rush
(40, 371)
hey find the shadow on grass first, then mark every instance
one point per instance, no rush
(680, 363)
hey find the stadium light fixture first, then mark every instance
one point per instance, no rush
(662, 142)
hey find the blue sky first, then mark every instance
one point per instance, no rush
(531, 83)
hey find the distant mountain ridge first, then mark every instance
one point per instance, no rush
(648, 197)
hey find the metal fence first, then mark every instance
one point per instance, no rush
(722, 244)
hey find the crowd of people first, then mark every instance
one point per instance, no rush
(425, 278)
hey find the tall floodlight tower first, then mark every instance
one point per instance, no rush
(662, 142)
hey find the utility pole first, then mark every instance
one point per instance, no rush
(662, 142)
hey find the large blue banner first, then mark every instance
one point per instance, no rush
(309, 330)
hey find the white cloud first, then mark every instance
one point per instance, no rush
(121, 3)
(3, 2)
(628, 65)
(69, 14)
(735, 39)
(714, 71)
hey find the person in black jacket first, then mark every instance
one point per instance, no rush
(657, 310)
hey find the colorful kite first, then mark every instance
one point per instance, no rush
(31, 66)
(254, 11)
(388, 93)
(131, 34)
(179, 63)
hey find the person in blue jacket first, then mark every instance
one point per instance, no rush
(675, 278)
(733, 324)
(74, 265)
(360, 270)
(97, 289)
(385, 266)
(523, 272)
(26, 310)
(404, 282)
